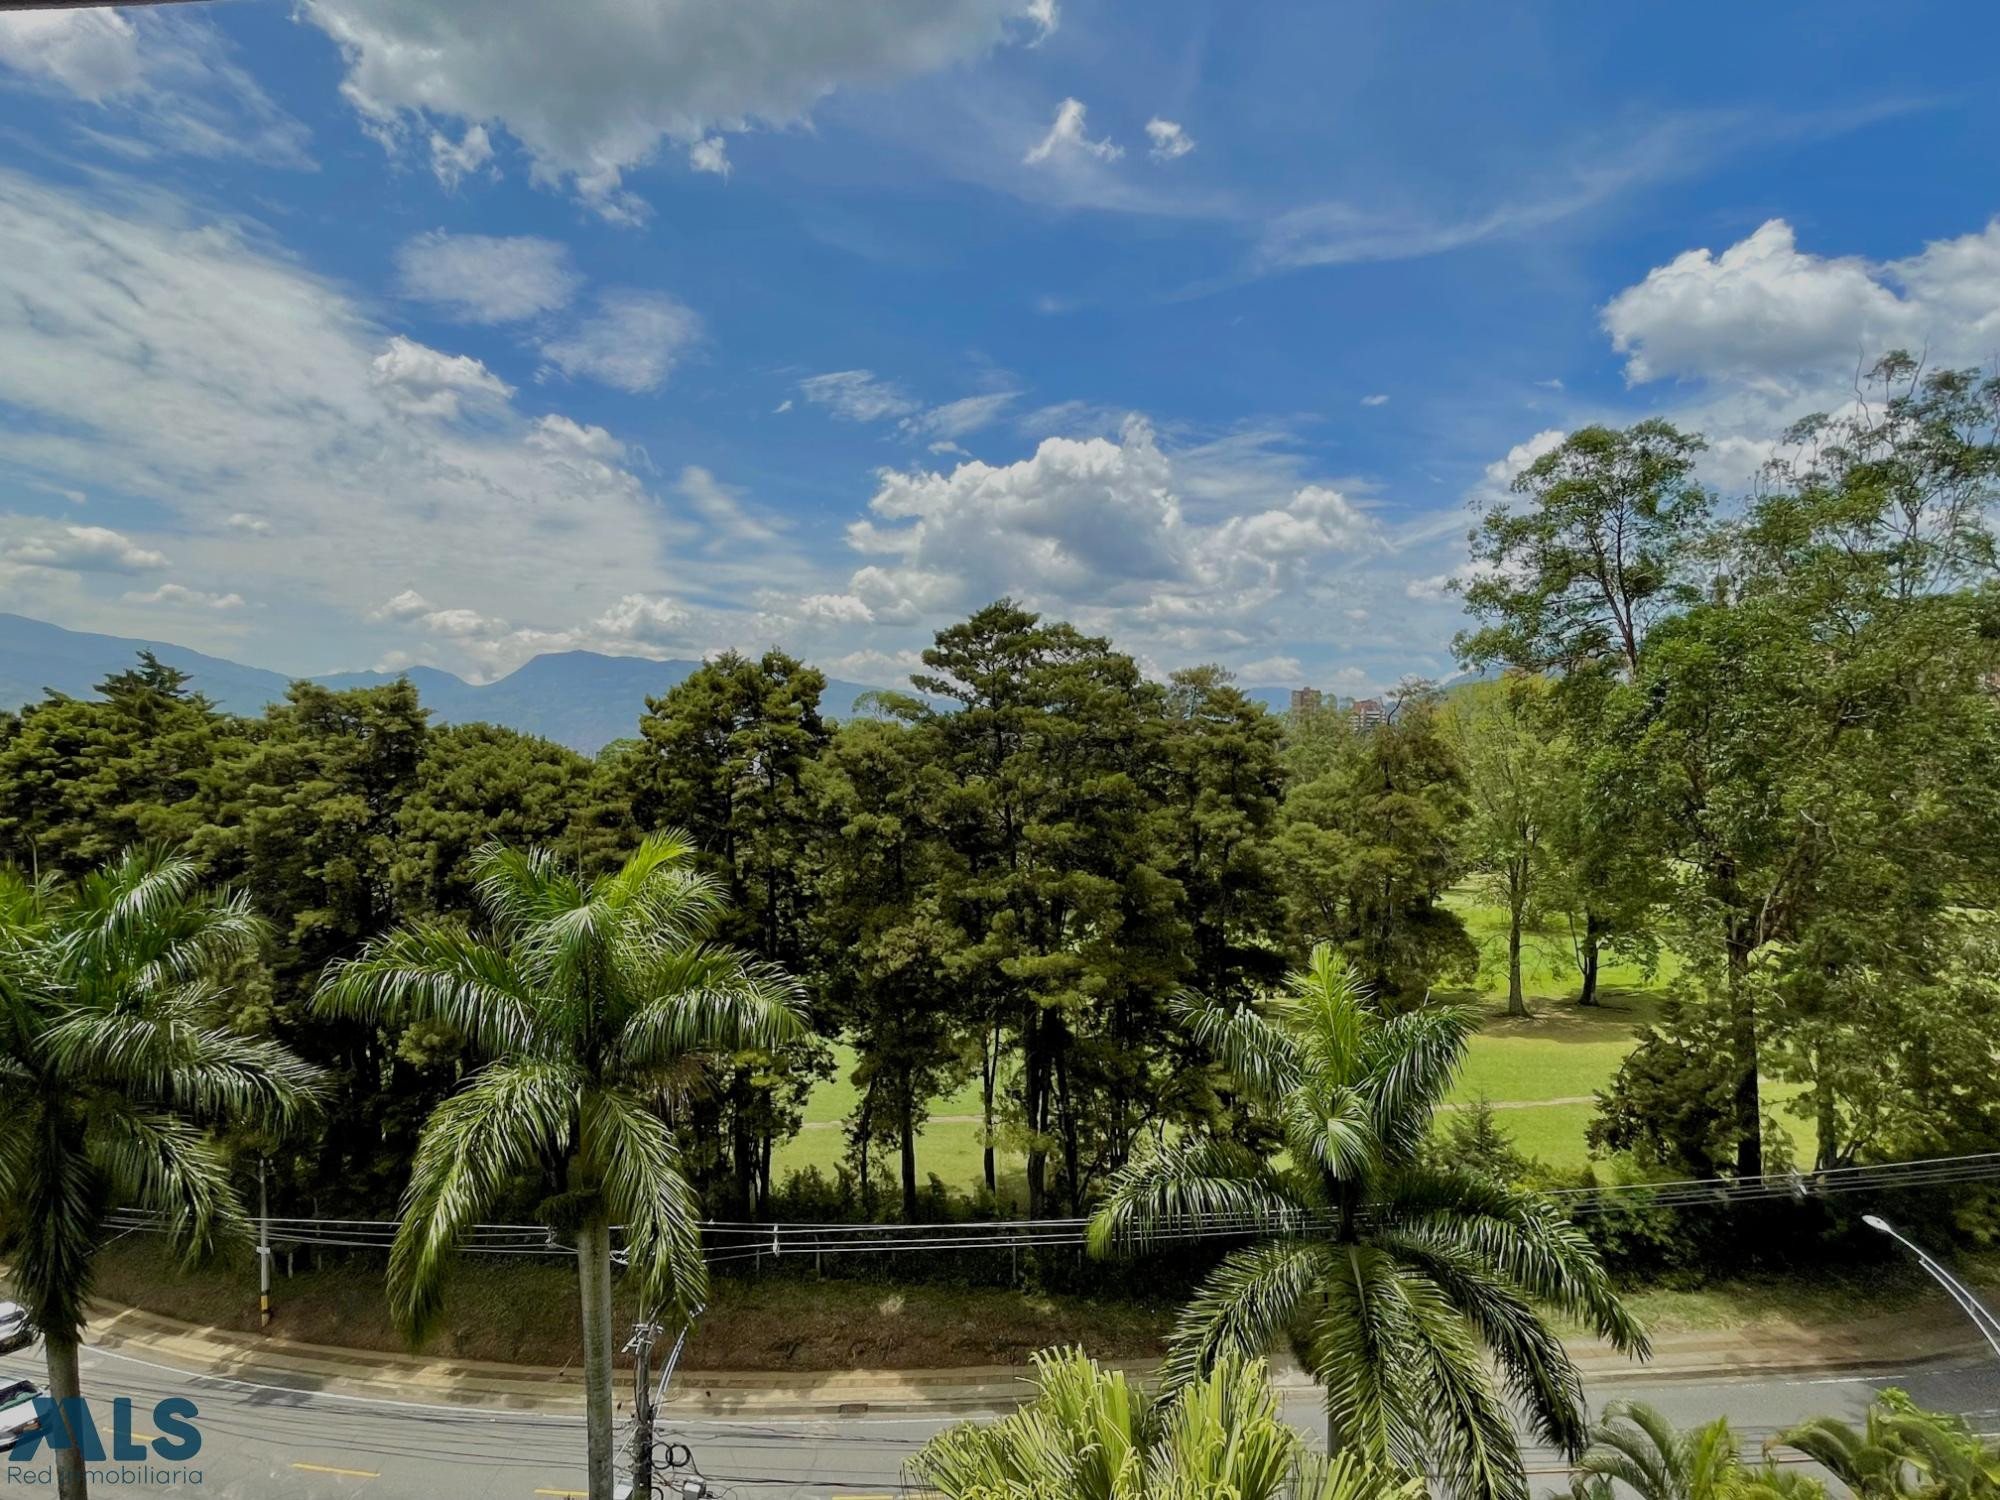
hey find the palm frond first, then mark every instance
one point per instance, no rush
(1189, 1183)
(167, 1059)
(1325, 1007)
(1333, 1127)
(1469, 1438)
(491, 1132)
(1412, 1061)
(1244, 1305)
(1260, 1057)
(1355, 1341)
(708, 1000)
(158, 1161)
(646, 1190)
(436, 971)
(521, 888)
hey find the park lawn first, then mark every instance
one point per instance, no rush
(1560, 1052)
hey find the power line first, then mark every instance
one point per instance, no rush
(727, 1241)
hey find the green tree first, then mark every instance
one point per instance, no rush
(882, 950)
(82, 779)
(474, 785)
(1045, 788)
(586, 1002)
(113, 1072)
(727, 751)
(1900, 1452)
(1815, 748)
(1366, 851)
(1503, 733)
(1637, 1447)
(1395, 1282)
(1087, 1435)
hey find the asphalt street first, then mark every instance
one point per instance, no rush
(276, 1442)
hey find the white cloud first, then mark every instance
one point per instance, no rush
(1046, 15)
(1066, 140)
(82, 549)
(645, 619)
(477, 278)
(92, 53)
(1764, 312)
(1377, 400)
(171, 78)
(1502, 472)
(710, 154)
(1268, 669)
(632, 342)
(591, 88)
(857, 396)
(242, 520)
(174, 593)
(722, 508)
(1097, 527)
(955, 419)
(782, 407)
(1170, 141)
(426, 383)
(174, 364)
(408, 605)
(453, 161)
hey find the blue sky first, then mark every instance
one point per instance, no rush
(371, 332)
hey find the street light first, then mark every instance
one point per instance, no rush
(1959, 1292)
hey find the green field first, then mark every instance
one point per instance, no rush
(1539, 1070)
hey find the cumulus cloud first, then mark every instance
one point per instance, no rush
(1766, 311)
(82, 549)
(591, 88)
(1170, 141)
(179, 594)
(478, 278)
(426, 383)
(242, 520)
(1067, 140)
(1094, 525)
(92, 53)
(645, 619)
(632, 342)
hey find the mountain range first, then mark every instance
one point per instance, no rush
(582, 699)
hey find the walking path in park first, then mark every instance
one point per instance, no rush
(1926, 1333)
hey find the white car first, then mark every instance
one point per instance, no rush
(17, 1412)
(16, 1332)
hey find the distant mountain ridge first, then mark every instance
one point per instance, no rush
(582, 699)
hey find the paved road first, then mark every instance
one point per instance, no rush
(273, 1442)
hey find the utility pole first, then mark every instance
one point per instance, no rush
(640, 1347)
(263, 1249)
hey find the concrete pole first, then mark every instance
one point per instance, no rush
(263, 1249)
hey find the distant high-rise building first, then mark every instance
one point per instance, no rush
(1306, 699)
(1368, 713)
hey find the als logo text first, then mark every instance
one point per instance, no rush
(124, 1454)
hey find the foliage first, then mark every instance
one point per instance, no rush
(594, 1008)
(1087, 1435)
(1396, 1282)
(1637, 1447)
(1901, 1452)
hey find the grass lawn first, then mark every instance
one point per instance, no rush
(1547, 1063)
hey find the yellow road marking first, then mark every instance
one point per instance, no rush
(566, 1494)
(327, 1469)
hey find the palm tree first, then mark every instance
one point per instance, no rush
(1901, 1452)
(112, 1064)
(1388, 1276)
(588, 1002)
(1086, 1435)
(1637, 1446)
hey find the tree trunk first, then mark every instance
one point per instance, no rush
(1592, 937)
(907, 1128)
(593, 1265)
(1035, 1091)
(990, 1067)
(1743, 1033)
(66, 1390)
(1517, 1001)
